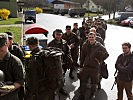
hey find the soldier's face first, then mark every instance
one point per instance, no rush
(92, 38)
(68, 30)
(58, 36)
(10, 42)
(4, 48)
(125, 49)
(76, 26)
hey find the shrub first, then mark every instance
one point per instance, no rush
(112, 21)
(38, 10)
(4, 13)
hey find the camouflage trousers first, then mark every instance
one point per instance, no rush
(85, 74)
(121, 85)
(46, 94)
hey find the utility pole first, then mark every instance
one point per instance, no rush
(88, 8)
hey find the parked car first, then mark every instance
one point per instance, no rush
(131, 23)
(30, 15)
(122, 16)
(126, 21)
(56, 11)
(79, 12)
(63, 11)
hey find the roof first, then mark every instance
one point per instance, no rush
(62, 2)
(36, 29)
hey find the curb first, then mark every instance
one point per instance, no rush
(22, 30)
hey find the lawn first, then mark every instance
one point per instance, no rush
(16, 32)
(92, 14)
(11, 21)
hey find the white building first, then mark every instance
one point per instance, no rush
(92, 6)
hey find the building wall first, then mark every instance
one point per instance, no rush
(10, 5)
(68, 5)
(92, 6)
(59, 6)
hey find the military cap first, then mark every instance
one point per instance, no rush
(10, 35)
(3, 39)
(68, 26)
(57, 31)
(32, 41)
(75, 24)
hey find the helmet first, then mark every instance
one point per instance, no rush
(2, 76)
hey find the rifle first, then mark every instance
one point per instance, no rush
(115, 80)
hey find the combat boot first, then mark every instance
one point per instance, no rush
(99, 86)
(92, 96)
(71, 75)
(63, 91)
(81, 97)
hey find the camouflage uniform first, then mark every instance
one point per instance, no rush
(90, 66)
(12, 67)
(73, 39)
(62, 44)
(28, 95)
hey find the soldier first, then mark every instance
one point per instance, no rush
(82, 34)
(73, 42)
(12, 68)
(98, 36)
(92, 54)
(17, 51)
(101, 30)
(14, 49)
(58, 42)
(33, 44)
(124, 65)
(75, 29)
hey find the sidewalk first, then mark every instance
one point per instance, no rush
(14, 25)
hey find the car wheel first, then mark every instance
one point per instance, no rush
(34, 21)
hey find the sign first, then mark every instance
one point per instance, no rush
(20, 3)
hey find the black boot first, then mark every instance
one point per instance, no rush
(99, 86)
(71, 75)
(63, 91)
(81, 97)
(92, 96)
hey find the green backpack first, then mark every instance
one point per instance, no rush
(52, 67)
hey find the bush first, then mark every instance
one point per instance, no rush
(38, 10)
(111, 21)
(4, 13)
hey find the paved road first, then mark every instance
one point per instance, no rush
(115, 36)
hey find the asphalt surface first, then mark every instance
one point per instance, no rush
(115, 36)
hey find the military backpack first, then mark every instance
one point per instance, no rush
(52, 67)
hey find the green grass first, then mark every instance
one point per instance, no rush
(11, 21)
(92, 14)
(16, 32)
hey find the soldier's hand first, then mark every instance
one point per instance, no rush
(72, 46)
(6, 89)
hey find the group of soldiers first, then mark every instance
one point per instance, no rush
(83, 48)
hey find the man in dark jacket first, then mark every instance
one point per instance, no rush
(73, 42)
(92, 54)
(124, 65)
(38, 79)
(12, 68)
(14, 49)
(17, 51)
(33, 43)
(60, 43)
(101, 30)
(75, 29)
